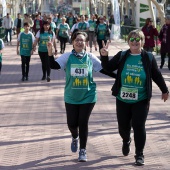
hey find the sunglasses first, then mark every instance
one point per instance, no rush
(135, 39)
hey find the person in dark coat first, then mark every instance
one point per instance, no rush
(149, 31)
(165, 41)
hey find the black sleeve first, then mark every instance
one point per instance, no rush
(112, 74)
(157, 77)
(53, 63)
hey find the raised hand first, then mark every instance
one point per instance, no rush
(104, 50)
(50, 48)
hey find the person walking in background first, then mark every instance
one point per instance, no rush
(83, 25)
(8, 24)
(18, 24)
(102, 32)
(1, 49)
(80, 89)
(25, 40)
(71, 20)
(58, 22)
(42, 37)
(149, 31)
(164, 37)
(28, 20)
(52, 24)
(136, 69)
(111, 21)
(37, 24)
(92, 33)
(63, 32)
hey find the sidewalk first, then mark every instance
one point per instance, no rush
(33, 128)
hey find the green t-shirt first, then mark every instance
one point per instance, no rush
(43, 40)
(80, 87)
(133, 80)
(37, 24)
(101, 31)
(26, 41)
(82, 26)
(59, 21)
(70, 22)
(63, 30)
(92, 25)
(53, 26)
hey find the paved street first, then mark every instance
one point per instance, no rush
(33, 129)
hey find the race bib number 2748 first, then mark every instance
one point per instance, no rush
(129, 93)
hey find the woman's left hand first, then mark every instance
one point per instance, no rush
(165, 96)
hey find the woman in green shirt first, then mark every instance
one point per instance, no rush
(42, 37)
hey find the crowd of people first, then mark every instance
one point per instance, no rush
(132, 88)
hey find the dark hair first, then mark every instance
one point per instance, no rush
(79, 33)
(42, 28)
(148, 20)
(26, 24)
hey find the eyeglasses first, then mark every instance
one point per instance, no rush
(135, 39)
(79, 40)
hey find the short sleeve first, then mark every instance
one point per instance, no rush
(96, 62)
(62, 60)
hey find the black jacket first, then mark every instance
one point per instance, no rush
(150, 67)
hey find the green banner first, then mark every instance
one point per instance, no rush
(142, 22)
(144, 8)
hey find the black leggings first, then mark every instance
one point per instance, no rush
(25, 62)
(63, 42)
(45, 63)
(163, 55)
(78, 117)
(133, 115)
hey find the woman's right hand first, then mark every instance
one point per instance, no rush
(104, 50)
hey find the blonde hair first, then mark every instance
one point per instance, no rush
(63, 18)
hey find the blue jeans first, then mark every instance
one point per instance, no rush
(6, 34)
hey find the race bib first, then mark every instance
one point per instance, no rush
(91, 29)
(79, 70)
(129, 93)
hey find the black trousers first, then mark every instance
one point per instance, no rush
(45, 63)
(133, 115)
(163, 55)
(63, 42)
(77, 121)
(25, 64)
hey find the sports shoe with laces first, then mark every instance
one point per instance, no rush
(82, 155)
(139, 160)
(74, 144)
(126, 148)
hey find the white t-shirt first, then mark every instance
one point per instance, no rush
(62, 61)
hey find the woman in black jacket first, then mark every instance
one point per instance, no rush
(136, 69)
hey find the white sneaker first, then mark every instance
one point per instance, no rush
(82, 155)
